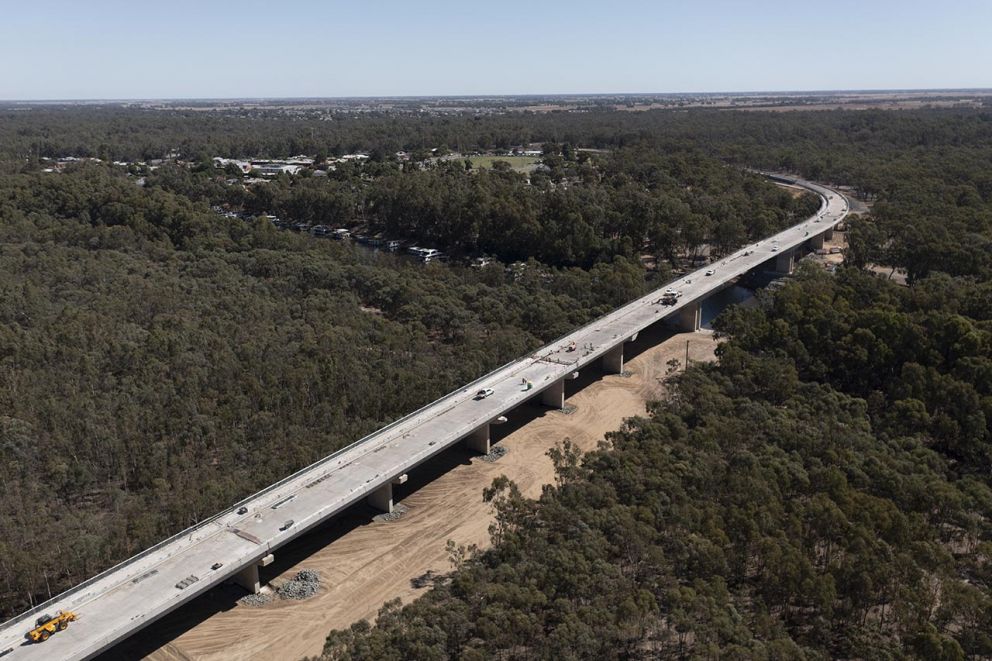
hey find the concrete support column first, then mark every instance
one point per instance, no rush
(554, 395)
(784, 262)
(613, 360)
(816, 243)
(689, 318)
(829, 234)
(248, 579)
(382, 498)
(479, 440)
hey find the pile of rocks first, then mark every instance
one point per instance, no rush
(495, 452)
(255, 600)
(303, 586)
(399, 509)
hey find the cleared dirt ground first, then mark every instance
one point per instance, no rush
(364, 563)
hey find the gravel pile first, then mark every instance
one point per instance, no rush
(303, 586)
(495, 452)
(255, 600)
(308, 576)
(398, 510)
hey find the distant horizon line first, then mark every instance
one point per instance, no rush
(535, 95)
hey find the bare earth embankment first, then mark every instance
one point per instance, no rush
(364, 563)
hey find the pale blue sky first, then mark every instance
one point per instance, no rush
(85, 49)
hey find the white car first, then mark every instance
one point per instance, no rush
(774, 248)
(710, 272)
(485, 392)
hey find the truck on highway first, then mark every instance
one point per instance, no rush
(46, 625)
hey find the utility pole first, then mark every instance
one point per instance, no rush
(686, 356)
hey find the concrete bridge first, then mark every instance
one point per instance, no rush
(233, 544)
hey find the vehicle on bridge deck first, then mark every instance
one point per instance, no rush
(485, 392)
(670, 297)
(46, 625)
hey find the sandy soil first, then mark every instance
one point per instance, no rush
(364, 563)
(839, 240)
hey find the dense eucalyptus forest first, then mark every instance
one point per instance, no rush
(822, 492)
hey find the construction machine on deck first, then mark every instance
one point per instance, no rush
(46, 625)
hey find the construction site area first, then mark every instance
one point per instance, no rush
(359, 561)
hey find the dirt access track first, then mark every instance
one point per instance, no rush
(363, 562)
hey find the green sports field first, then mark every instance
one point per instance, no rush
(519, 163)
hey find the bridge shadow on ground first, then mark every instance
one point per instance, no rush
(174, 624)
(432, 469)
(648, 338)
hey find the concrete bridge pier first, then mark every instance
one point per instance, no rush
(689, 318)
(478, 440)
(248, 576)
(554, 395)
(785, 262)
(829, 234)
(382, 498)
(612, 360)
(816, 242)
